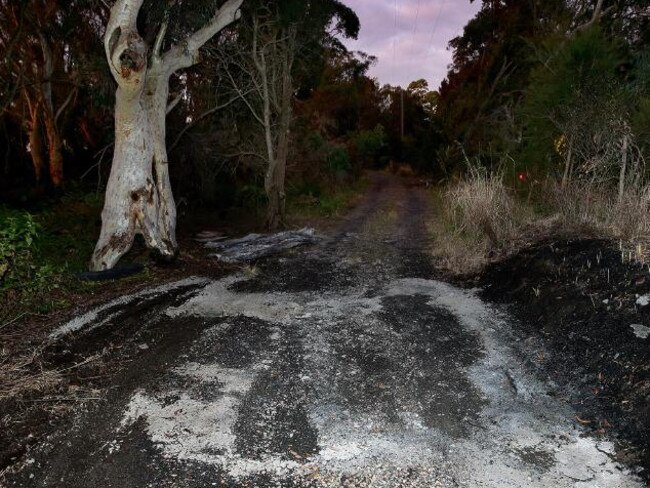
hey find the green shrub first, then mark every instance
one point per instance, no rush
(333, 205)
(369, 143)
(338, 160)
(315, 141)
(306, 188)
(18, 234)
(573, 96)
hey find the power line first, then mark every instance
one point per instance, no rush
(417, 15)
(437, 21)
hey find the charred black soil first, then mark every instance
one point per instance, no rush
(84, 364)
(350, 357)
(581, 297)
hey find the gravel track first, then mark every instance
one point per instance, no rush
(343, 365)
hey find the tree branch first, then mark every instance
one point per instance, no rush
(186, 54)
(595, 18)
(198, 119)
(172, 105)
(241, 95)
(241, 154)
(64, 105)
(160, 37)
(48, 69)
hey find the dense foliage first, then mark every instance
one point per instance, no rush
(558, 87)
(538, 89)
(57, 96)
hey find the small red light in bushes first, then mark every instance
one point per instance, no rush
(522, 176)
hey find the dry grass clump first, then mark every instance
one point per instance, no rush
(482, 207)
(625, 217)
(481, 218)
(25, 373)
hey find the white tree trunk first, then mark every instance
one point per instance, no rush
(139, 198)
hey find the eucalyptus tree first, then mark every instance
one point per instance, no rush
(145, 46)
(42, 42)
(492, 60)
(627, 20)
(276, 43)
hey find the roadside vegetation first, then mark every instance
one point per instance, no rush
(58, 136)
(482, 219)
(40, 250)
(547, 138)
(273, 128)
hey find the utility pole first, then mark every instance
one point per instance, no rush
(401, 90)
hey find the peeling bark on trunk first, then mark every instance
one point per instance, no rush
(139, 197)
(54, 143)
(33, 128)
(54, 148)
(36, 149)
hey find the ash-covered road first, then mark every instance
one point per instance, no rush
(343, 365)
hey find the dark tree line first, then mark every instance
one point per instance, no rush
(555, 87)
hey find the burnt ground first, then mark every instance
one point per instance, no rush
(345, 364)
(581, 297)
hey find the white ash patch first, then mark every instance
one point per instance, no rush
(518, 422)
(188, 429)
(351, 443)
(255, 246)
(529, 417)
(643, 301)
(641, 331)
(90, 321)
(234, 380)
(199, 430)
(216, 300)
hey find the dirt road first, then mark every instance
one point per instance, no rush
(341, 365)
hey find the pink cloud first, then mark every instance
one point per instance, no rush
(410, 41)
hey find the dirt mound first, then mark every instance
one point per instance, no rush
(591, 306)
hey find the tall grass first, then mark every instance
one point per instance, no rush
(481, 218)
(625, 217)
(482, 207)
(484, 220)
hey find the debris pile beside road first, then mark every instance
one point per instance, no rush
(255, 246)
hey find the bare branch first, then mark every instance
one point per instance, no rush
(172, 105)
(595, 18)
(199, 118)
(63, 106)
(243, 97)
(160, 37)
(241, 154)
(186, 54)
